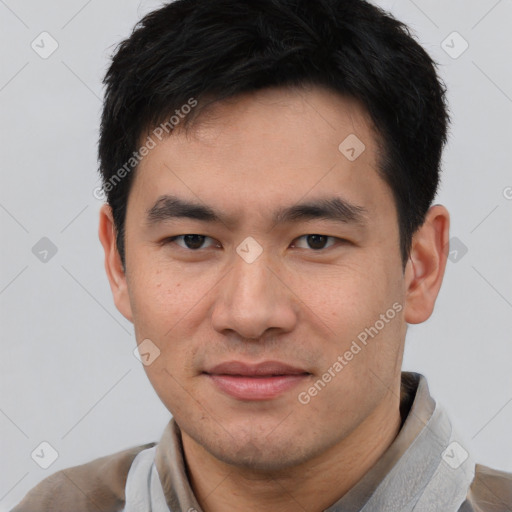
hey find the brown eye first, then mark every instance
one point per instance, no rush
(192, 242)
(316, 242)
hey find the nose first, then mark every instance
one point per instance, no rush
(254, 299)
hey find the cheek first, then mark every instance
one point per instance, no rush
(159, 298)
(348, 296)
(357, 305)
(167, 310)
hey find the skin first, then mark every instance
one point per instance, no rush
(294, 303)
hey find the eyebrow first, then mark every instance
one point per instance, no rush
(336, 209)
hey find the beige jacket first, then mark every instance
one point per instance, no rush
(99, 486)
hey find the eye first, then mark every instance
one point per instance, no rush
(316, 242)
(191, 241)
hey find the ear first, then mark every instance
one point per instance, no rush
(425, 268)
(113, 265)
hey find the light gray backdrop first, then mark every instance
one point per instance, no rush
(68, 374)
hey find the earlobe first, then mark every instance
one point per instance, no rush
(113, 265)
(425, 268)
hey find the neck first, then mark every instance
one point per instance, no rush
(314, 485)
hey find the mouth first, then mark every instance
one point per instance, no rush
(263, 381)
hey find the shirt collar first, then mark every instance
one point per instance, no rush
(416, 408)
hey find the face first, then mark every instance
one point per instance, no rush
(276, 301)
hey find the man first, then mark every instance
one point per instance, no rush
(270, 169)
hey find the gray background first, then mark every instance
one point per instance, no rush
(68, 374)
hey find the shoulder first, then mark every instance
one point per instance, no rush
(491, 491)
(97, 486)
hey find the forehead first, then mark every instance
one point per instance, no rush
(268, 148)
(302, 113)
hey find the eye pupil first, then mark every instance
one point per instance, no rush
(193, 241)
(317, 241)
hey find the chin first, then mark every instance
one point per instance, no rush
(260, 443)
(265, 458)
(258, 451)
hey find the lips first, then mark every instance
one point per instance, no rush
(263, 381)
(264, 369)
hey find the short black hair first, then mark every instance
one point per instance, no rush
(205, 51)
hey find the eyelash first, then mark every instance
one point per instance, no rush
(174, 238)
